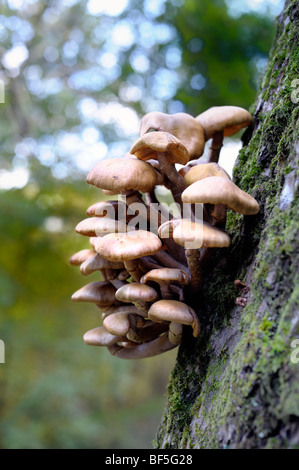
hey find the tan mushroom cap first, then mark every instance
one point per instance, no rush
(99, 226)
(147, 147)
(143, 350)
(166, 275)
(101, 293)
(183, 126)
(119, 323)
(194, 235)
(127, 246)
(229, 119)
(201, 171)
(101, 337)
(81, 256)
(175, 311)
(218, 190)
(124, 174)
(96, 263)
(106, 209)
(136, 292)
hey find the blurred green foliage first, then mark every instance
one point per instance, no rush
(70, 74)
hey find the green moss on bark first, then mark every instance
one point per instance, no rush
(236, 386)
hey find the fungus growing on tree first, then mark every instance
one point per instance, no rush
(150, 276)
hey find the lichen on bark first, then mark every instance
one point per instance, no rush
(236, 386)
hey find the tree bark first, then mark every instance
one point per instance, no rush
(237, 385)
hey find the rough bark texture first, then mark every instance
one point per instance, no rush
(236, 386)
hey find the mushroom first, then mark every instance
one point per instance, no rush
(143, 350)
(175, 311)
(101, 337)
(100, 226)
(81, 256)
(222, 121)
(124, 174)
(106, 208)
(194, 235)
(164, 277)
(183, 126)
(168, 150)
(119, 323)
(201, 171)
(96, 263)
(214, 214)
(219, 190)
(101, 293)
(127, 247)
(140, 295)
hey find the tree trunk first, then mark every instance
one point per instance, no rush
(237, 386)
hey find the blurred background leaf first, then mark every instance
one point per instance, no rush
(77, 77)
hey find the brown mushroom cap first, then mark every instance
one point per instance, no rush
(194, 235)
(147, 147)
(96, 263)
(229, 119)
(174, 311)
(127, 246)
(124, 174)
(101, 337)
(166, 275)
(218, 190)
(143, 350)
(201, 171)
(81, 256)
(101, 293)
(183, 126)
(136, 292)
(99, 226)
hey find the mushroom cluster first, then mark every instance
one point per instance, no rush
(152, 261)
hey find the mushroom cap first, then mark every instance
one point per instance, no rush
(127, 246)
(194, 235)
(143, 350)
(229, 119)
(136, 292)
(99, 226)
(201, 171)
(96, 263)
(81, 256)
(183, 126)
(101, 293)
(101, 337)
(147, 147)
(106, 208)
(174, 311)
(218, 190)
(166, 275)
(124, 174)
(118, 323)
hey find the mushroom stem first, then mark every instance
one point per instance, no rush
(165, 259)
(117, 283)
(214, 151)
(193, 259)
(177, 183)
(133, 268)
